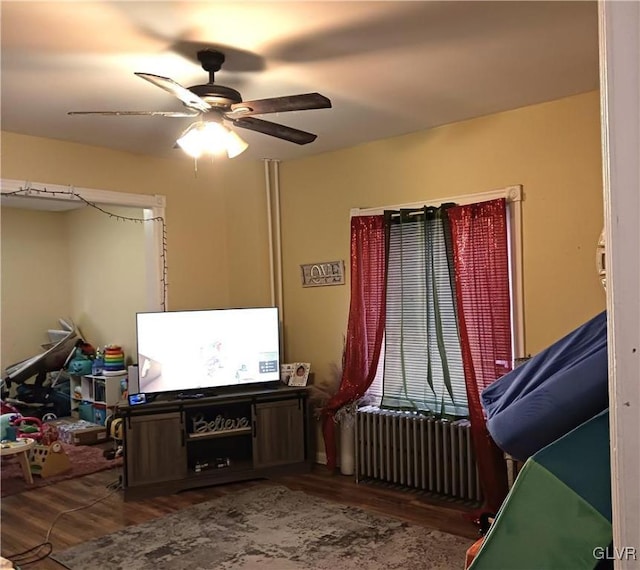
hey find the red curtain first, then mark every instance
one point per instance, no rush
(365, 329)
(479, 233)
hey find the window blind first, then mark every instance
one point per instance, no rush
(422, 359)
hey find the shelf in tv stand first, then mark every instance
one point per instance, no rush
(231, 472)
(216, 434)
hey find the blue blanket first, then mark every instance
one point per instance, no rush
(552, 393)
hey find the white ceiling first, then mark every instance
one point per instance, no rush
(389, 68)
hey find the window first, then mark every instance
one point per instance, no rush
(421, 363)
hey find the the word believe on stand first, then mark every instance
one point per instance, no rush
(220, 424)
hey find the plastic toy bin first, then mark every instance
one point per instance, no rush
(99, 414)
(85, 411)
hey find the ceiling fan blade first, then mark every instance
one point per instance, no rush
(275, 130)
(190, 99)
(178, 114)
(279, 104)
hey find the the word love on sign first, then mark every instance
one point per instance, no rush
(321, 274)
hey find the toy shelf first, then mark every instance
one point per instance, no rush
(93, 397)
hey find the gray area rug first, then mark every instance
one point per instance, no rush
(271, 528)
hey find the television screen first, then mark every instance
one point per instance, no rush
(207, 349)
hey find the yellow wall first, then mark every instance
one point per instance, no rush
(80, 265)
(214, 218)
(552, 149)
(217, 227)
(217, 243)
(107, 276)
(35, 280)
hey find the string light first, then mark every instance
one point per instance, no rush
(28, 190)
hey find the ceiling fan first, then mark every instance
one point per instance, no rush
(216, 103)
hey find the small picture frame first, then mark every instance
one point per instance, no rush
(286, 372)
(300, 374)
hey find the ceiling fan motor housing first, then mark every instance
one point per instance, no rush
(211, 59)
(217, 95)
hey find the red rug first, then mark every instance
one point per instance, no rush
(85, 459)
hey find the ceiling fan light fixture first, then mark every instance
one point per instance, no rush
(209, 137)
(235, 144)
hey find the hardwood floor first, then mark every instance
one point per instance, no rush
(27, 517)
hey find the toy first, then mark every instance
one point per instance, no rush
(49, 460)
(115, 429)
(28, 426)
(80, 364)
(5, 422)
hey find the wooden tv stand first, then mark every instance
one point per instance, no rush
(174, 445)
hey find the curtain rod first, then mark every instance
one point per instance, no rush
(417, 212)
(510, 193)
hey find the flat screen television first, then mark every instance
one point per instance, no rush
(202, 351)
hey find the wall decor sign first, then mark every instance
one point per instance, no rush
(324, 273)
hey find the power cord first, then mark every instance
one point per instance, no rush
(22, 558)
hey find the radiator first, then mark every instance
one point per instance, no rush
(416, 451)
